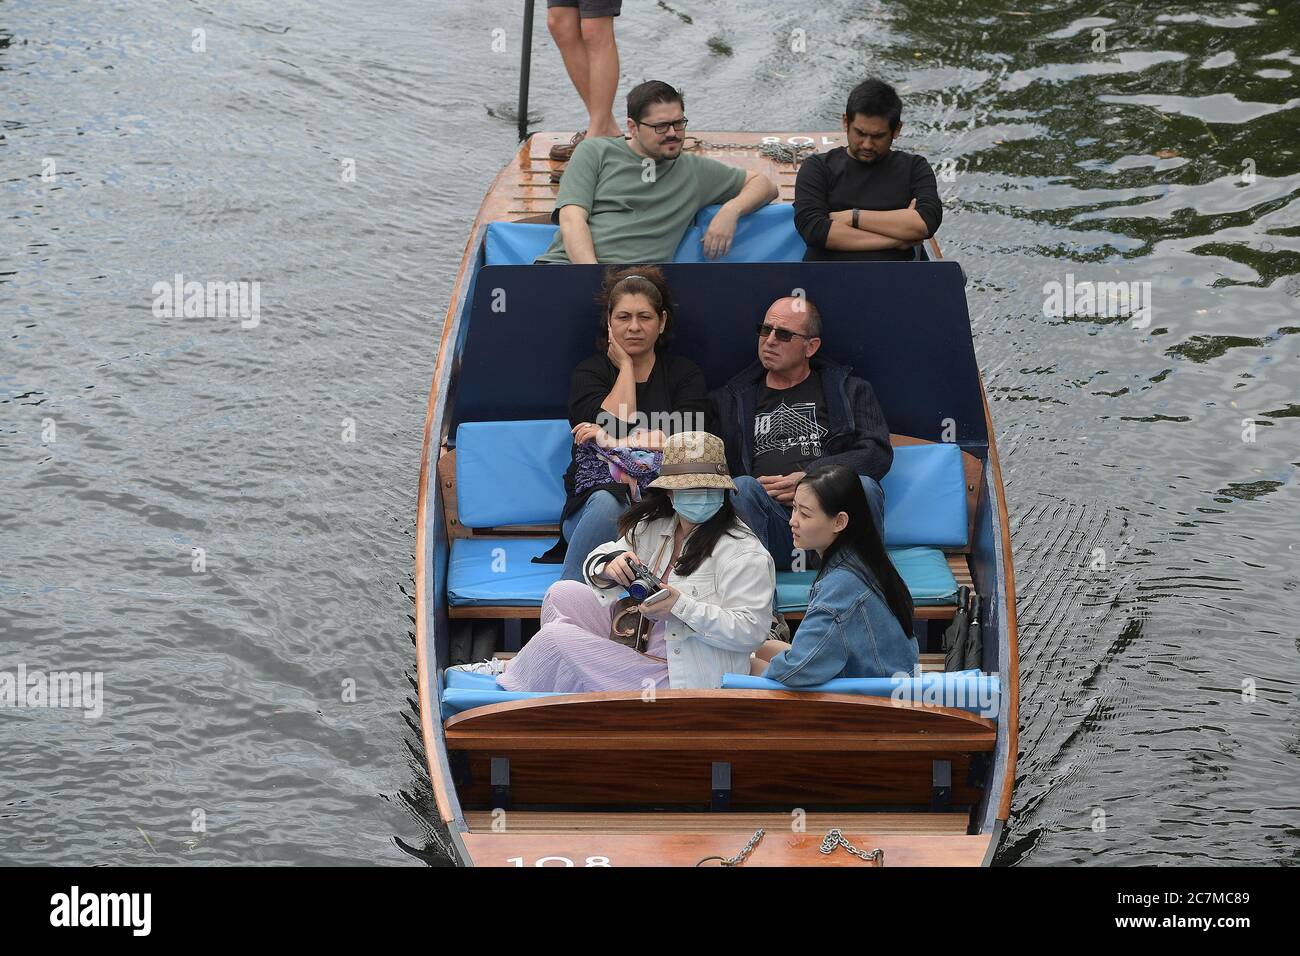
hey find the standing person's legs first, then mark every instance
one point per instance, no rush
(565, 24)
(602, 59)
(767, 517)
(583, 31)
(595, 524)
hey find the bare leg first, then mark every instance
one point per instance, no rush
(564, 24)
(763, 657)
(770, 649)
(602, 83)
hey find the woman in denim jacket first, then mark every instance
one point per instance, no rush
(859, 617)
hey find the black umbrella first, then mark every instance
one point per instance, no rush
(973, 656)
(954, 638)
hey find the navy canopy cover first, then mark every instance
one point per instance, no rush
(903, 326)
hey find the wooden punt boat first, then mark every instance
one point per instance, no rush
(606, 779)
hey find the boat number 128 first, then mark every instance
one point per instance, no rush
(561, 861)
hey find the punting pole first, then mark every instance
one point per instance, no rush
(525, 68)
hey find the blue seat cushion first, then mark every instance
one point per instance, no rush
(924, 570)
(792, 590)
(967, 690)
(499, 572)
(468, 680)
(516, 243)
(465, 690)
(971, 690)
(925, 497)
(457, 699)
(767, 235)
(511, 472)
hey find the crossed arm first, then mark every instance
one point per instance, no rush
(877, 229)
(882, 229)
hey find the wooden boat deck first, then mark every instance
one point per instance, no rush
(780, 846)
(548, 839)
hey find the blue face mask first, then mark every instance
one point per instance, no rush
(698, 505)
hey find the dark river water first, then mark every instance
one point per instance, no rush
(220, 519)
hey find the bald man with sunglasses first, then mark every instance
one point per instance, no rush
(791, 411)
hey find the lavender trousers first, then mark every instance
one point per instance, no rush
(572, 653)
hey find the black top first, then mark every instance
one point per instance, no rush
(672, 399)
(675, 384)
(831, 181)
(789, 427)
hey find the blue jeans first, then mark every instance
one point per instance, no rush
(771, 520)
(595, 523)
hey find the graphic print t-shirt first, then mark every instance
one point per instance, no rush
(789, 427)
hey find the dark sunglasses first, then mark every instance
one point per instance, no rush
(782, 335)
(661, 128)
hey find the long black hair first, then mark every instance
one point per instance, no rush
(837, 489)
(655, 503)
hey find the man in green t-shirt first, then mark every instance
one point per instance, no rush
(632, 200)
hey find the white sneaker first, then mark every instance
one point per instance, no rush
(494, 667)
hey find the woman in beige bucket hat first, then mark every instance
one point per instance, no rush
(713, 609)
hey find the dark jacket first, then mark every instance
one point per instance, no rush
(859, 435)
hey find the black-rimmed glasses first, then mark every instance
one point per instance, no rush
(661, 128)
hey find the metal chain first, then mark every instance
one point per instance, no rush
(780, 152)
(835, 838)
(739, 858)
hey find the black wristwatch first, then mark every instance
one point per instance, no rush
(855, 217)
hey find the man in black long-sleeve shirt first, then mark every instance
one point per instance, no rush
(866, 201)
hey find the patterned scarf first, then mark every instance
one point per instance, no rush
(597, 467)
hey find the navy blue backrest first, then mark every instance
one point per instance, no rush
(903, 326)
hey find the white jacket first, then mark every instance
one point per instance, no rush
(724, 612)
